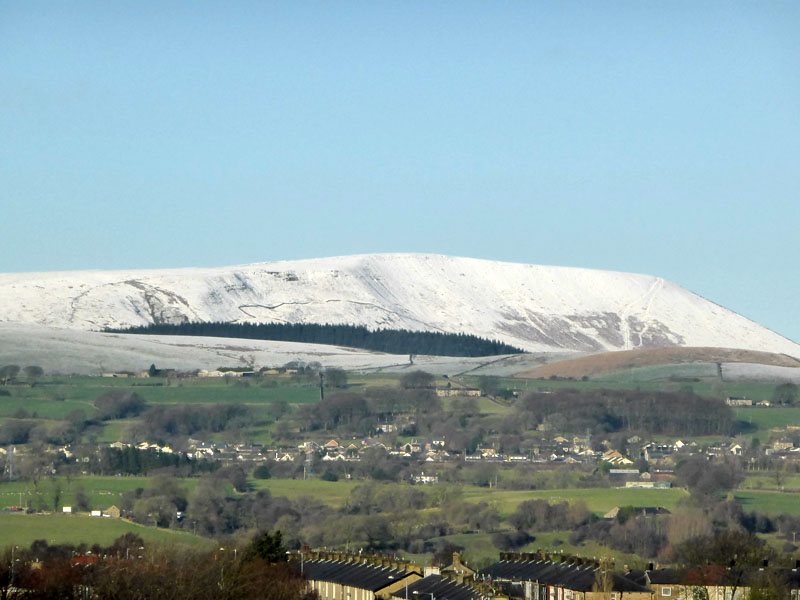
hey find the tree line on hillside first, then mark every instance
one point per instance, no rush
(605, 411)
(392, 341)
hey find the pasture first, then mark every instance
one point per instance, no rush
(764, 419)
(101, 492)
(769, 502)
(598, 500)
(333, 493)
(21, 530)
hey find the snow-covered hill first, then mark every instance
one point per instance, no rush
(538, 308)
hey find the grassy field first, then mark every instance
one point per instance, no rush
(56, 398)
(101, 491)
(334, 493)
(771, 503)
(768, 481)
(644, 381)
(764, 419)
(30, 402)
(22, 529)
(598, 500)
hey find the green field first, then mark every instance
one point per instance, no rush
(22, 529)
(598, 500)
(771, 503)
(56, 398)
(768, 481)
(101, 491)
(649, 378)
(764, 419)
(333, 493)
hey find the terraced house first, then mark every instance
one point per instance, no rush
(535, 577)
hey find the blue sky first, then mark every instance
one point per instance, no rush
(655, 137)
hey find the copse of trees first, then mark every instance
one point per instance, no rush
(361, 413)
(8, 373)
(33, 372)
(119, 404)
(416, 380)
(392, 341)
(166, 421)
(785, 394)
(707, 480)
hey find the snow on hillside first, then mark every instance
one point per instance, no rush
(71, 351)
(538, 308)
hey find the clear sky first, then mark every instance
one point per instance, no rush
(646, 136)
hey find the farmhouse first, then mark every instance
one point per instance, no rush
(451, 391)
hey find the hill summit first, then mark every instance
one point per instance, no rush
(538, 308)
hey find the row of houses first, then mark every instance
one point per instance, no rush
(540, 577)
(335, 576)
(340, 576)
(535, 577)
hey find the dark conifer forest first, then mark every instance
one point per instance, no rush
(392, 341)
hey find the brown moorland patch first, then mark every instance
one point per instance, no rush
(611, 362)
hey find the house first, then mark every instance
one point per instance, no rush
(451, 391)
(615, 458)
(112, 512)
(333, 457)
(538, 577)
(650, 485)
(736, 449)
(710, 581)
(458, 568)
(346, 578)
(437, 586)
(738, 401)
(205, 373)
(425, 479)
(639, 511)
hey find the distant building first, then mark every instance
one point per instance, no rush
(449, 392)
(738, 401)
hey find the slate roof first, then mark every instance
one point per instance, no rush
(437, 587)
(579, 578)
(666, 576)
(709, 575)
(359, 575)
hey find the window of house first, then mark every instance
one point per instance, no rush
(667, 591)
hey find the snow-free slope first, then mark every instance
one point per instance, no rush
(538, 308)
